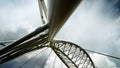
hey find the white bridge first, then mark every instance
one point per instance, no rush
(53, 17)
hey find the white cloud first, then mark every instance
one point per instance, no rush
(18, 16)
(102, 61)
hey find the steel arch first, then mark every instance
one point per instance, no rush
(72, 55)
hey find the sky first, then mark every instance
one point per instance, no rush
(94, 25)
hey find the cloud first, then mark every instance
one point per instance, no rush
(35, 59)
(17, 17)
(102, 61)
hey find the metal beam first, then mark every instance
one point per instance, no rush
(37, 31)
(58, 12)
(16, 53)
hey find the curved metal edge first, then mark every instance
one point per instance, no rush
(58, 41)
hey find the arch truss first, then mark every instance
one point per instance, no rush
(72, 55)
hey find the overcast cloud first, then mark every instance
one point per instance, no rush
(17, 18)
(94, 25)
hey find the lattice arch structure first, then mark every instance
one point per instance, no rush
(72, 55)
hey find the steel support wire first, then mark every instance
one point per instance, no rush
(46, 58)
(21, 58)
(103, 54)
(37, 31)
(3, 43)
(32, 58)
(15, 51)
(66, 60)
(15, 54)
(54, 61)
(32, 46)
(39, 58)
(29, 43)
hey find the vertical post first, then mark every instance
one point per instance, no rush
(43, 11)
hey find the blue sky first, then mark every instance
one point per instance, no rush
(94, 25)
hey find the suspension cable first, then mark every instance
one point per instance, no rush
(40, 55)
(103, 54)
(31, 58)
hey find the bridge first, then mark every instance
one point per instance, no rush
(53, 18)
